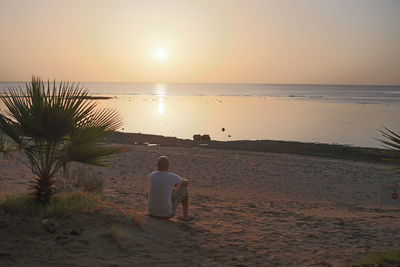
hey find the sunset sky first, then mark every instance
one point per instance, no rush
(249, 41)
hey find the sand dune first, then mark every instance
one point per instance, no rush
(252, 208)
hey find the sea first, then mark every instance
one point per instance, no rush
(336, 114)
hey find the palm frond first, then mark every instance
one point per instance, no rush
(392, 143)
(83, 147)
(48, 111)
(6, 148)
(106, 118)
(11, 129)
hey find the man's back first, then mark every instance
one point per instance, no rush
(161, 185)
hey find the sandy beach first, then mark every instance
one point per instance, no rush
(252, 209)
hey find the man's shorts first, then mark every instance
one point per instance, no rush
(178, 196)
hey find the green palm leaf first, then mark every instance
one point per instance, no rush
(392, 143)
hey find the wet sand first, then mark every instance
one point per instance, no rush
(252, 208)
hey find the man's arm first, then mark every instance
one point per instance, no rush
(185, 182)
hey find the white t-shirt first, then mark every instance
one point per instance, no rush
(161, 185)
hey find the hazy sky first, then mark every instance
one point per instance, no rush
(249, 41)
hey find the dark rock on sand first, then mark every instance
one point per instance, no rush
(205, 137)
(197, 137)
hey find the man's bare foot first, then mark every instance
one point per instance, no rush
(187, 218)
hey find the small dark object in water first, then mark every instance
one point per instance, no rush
(205, 137)
(223, 129)
(197, 137)
(229, 135)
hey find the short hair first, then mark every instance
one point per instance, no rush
(162, 163)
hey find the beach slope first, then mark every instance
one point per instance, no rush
(252, 208)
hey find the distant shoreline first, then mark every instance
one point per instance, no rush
(334, 151)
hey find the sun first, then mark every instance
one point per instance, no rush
(160, 54)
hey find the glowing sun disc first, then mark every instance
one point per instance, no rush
(160, 54)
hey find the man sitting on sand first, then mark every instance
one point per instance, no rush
(166, 191)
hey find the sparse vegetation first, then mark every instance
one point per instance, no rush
(21, 203)
(70, 203)
(386, 258)
(82, 178)
(62, 204)
(53, 125)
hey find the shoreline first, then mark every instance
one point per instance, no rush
(335, 151)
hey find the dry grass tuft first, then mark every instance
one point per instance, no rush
(62, 204)
(138, 219)
(115, 235)
(21, 204)
(385, 258)
(71, 203)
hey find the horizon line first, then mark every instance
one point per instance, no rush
(240, 83)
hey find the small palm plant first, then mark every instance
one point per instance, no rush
(392, 142)
(53, 125)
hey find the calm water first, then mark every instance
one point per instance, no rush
(310, 113)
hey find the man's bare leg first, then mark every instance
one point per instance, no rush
(185, 205)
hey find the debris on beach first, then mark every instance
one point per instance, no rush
(152, 144)
(223, 129)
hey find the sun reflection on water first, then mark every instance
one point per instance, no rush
(160, 105)
(160, 90)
